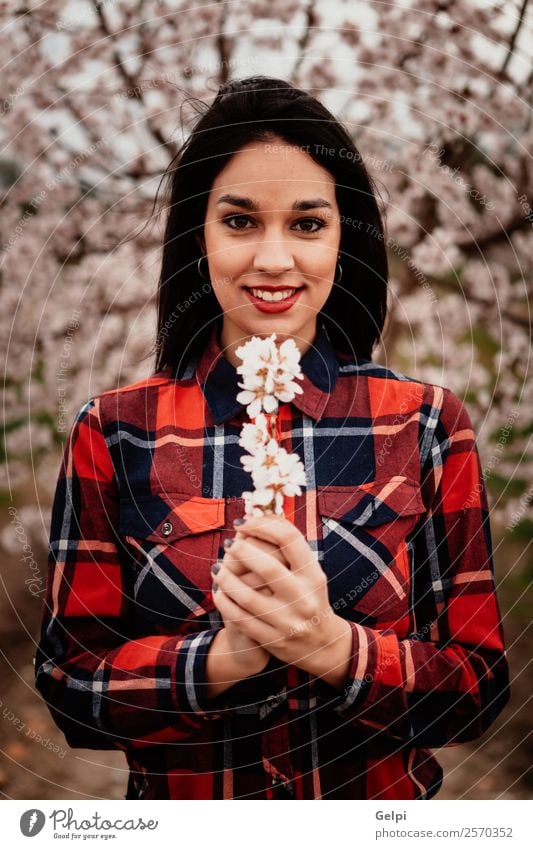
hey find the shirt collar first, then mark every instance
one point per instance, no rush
(219, 379)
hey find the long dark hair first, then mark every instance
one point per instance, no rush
(255, 109)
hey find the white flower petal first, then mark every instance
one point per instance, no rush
(245, 396)
(270, 403)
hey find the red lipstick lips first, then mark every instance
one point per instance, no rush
(274, 306)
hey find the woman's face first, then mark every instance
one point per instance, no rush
(272, 222)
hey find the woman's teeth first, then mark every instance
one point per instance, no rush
(273, 296)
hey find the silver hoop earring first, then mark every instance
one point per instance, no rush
(340, 275)
(200, 270)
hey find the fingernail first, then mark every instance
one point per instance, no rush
(238, 522)
(215, 587)
(215, 568)
(228, 543)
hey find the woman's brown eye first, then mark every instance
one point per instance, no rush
(233, 218)
(311, 221)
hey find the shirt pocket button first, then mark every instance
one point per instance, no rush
(167, 528)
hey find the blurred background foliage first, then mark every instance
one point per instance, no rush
(97, 97)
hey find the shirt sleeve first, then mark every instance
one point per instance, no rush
(448, 681)
(105, 685)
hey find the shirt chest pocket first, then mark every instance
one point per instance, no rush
(365, 549)
(172, 539)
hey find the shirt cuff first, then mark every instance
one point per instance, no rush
(256, 689)
(191, 677)
(358, 682)
(192, 683)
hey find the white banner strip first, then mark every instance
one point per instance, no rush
(245, 823)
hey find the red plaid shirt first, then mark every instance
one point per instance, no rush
(396, 510)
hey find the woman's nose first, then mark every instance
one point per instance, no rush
(274, 256)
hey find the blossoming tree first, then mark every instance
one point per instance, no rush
(94, 95)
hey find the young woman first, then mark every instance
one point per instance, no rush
(318, 655)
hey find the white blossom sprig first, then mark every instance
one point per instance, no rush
(269, 376)
(268, 373)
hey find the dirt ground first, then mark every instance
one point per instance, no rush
(36, 762)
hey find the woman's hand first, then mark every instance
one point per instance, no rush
(248, 653)
(296, 623)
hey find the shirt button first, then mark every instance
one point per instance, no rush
(166, 528)
(282, 789)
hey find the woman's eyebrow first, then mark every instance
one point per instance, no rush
(247, 203)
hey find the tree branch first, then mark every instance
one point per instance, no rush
(303, 41)
(132, 81)
(222, 44)
(419, 44)
(514, 36)
(469, 245)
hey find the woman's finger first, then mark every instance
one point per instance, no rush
(268, 568)
(263, 545)
(290, 541)
(273, 610)
(254, 628)
(253, 580)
